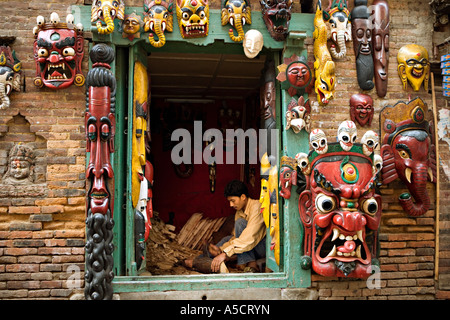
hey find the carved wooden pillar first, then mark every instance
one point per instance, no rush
(100, 128)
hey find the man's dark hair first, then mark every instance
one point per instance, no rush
(235, 188)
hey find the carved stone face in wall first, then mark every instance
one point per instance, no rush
(20, 165)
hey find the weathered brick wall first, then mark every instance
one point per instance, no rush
(42, 229)
(41, 225)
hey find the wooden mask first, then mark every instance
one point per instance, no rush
(413, 66)
(10, 71)
(362, 44)
(380, 44)
(339, 27)
(340, 212)
(107, 11)
(193, 18)
(237, 13)
(408, 152)
(324, 66)
(58, 52)
(361, 109)
(158, 17)
(276, 16)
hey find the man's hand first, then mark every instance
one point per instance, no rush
(215, 264)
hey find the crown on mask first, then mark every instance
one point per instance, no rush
(408, 116)
(55, 23)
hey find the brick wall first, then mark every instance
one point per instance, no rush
(41, 224)
(42, 228)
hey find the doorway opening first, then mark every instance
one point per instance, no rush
(215, 91)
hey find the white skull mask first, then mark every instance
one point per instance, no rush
(303, 163)
(347, 135)
(318, 141)
(369, 142)
(377, 164)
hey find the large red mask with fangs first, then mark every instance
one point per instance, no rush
(58, 52)
(341, 213)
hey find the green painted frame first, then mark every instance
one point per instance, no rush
(289, 274)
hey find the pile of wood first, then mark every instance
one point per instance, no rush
(197, 230)
(164, 254)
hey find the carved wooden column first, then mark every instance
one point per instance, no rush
(100, 128)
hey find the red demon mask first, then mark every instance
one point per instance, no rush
(58, 52)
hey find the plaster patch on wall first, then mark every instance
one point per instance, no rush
(444, 134)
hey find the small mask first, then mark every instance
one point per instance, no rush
(107, 11)
(303, 163)
(369, 142)
(10, 73)
(413, 66)
(339, 27)
(276, 16)
(377, 164)
(158, 18)
(298, 115)
(294, 74)
(193, 18)
(131, 25)
(288, 176)
(237, 13)
(318, 140)
(253, 43)
(347, 135)
(361, 109)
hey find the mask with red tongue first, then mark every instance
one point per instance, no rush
(340, 213)
(58, 52)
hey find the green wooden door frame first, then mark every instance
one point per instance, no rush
(289, 274)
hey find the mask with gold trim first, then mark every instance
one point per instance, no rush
(193, 18)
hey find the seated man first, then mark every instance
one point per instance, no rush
(249, 240)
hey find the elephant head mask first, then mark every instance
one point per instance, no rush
(9, 75)
(237, 13)
(339, 27)
(158, 17)
(107, 11)
(408, 152)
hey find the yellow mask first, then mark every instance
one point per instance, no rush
(413, 66)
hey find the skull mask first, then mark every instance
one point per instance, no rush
(369, 142)
(318, 140)
(347, 134)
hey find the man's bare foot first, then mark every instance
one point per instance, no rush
(189, 263)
